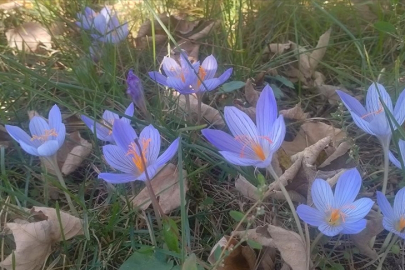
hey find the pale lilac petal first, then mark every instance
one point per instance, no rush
(363, 124)
(171, 68)
(209, 85)
(61, 135)
(188, 72)
(157, 77)
(101, 131)
(322, 195)
(168, 154)
(399, 203)
(241, 126)
(118, 159)
(225, 76)
(150, 137)
(310, 215)
(152, 171)
(178, 85)
(124, 135)
(389, 224)
(48, 148)
(110, 117)
(38, 126)
(347, 188)
(380, 126)
(55, 119)
(277, 134)
(355, 227)
(100, 25)
(20, 135)
(329, 230)
(356, 210)
(266, 111)
(32, 150)
(266, 162)
(385, 206)
(352, 104)
(209, 65)
(394, 160)
(129, 111)
(106, 13)
(237, 160)
(399, 111)
(117, 178)
(373, 103)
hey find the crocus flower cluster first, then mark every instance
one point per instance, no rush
(250, 145)
(46, 136)
(339, 212)
(189, 78)
(103, 26)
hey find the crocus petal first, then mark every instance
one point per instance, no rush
(152, 171)
(329, 230)
(209, 85)
(237, 160)
(373, 103)
(100, 25)
(110, 117)
(363, 124)
(357, 210)
(352, 104)
(266, 111)
(241, 126)
(389, 225)
(102, 132)
(209, 65)
(399, 203)
(385, 206)
(118, 159)
(168, 154)
(310, 215)
(177, 84)
(399, 111)
(225, 142)
(225, 76)
(129, 112)
(117, 178)
(123, 134)
(347, 188)
(20, 135)
(151, 138)
(48, 148)
(380, 127)
(171, 68)
(38, 126)
(355, 227)
(394, 160)
(61, 135)
(322, 195)
(277, 134)
(30, 149)
(55, 118)
(157, 77)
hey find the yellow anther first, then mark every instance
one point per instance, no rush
(256, 147)
(137, 157)
(401, 224)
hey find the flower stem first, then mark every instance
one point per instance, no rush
(386, 167)
(316, 240)
(289, 201)
(199, 102)
(59, 175)
(155, 204)
(188, 109)
(393, 241)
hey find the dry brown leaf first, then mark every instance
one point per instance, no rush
(206, 28)
(251, 95)
(208, 113)
(28, 36)
(240, 258)
(342, 149)
(268, 259)
(373, 228)
(292, 249)
(320, 50)
(34, 240)
(250, 111)
(246, 188)
(9, 6)
(259, 235)
(295, 113)
(277, 48)
(166, 186)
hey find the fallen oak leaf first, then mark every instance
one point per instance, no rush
(251, 95)
(295, 113)
(320, 50)
(28, 36)
(34, 240)
(166, 187)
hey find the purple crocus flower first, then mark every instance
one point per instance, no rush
(394, 160)
(135, 91)
(183, 77)
(127, 157)
(251, 145)
(339, 212)
(373, 119)
(47, 136)
(394, 219)
(104, 131)
(105, 26)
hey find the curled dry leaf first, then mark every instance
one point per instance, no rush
(34, 240)
(251, 94)
(277, 48)
(240, 258)
(166, 186)
(208, 113)
(295, 113)
(28, 36)
(373, 228)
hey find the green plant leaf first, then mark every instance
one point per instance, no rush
(282, 80)
(236, 215)
(254, 244)
(145, 260)
(170, 234)
(385, 27)
(190, 263)
(231, 86)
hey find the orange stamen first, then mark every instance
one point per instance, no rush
(109, 124)
(181, 75)
(137, 158)
(201, 73)
(45, 136)
(380, 110)
(401, 224)
(256, 147)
